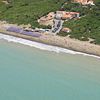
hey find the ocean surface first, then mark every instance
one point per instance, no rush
(28, 73)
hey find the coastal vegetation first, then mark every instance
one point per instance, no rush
(28, 11)
(88, 26)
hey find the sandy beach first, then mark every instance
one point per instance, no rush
(64, 42)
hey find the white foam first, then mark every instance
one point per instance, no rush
(41, 45)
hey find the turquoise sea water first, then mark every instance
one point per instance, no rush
(27, 73)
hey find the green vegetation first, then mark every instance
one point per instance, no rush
(27, 11)
(88, 26)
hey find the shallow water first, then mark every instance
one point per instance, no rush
(27, 73)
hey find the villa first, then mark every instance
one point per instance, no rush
(85, 2)
(47, 20)
(66, 15)
(60, 15)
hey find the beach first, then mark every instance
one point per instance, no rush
(64, 42)
(50, 39)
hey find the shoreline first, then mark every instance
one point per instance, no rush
(77, 46)
(42, 46)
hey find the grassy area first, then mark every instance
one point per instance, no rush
(27, 11)
(88, 26)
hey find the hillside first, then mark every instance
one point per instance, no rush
(88, 26)
(28, 11)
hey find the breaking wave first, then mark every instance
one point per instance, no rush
(41, 45)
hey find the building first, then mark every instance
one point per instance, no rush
(68, 30)
(85, 2)
(66, 15)
(47, 20)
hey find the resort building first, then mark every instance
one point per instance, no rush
(68, 30)
(85, 2)
(47, 20)
(66, 15)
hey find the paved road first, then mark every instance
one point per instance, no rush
(57, 26)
